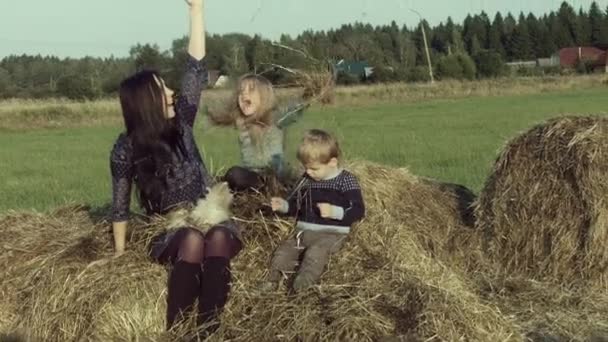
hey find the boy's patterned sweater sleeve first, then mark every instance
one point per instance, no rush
(290, 205)
(352, 192)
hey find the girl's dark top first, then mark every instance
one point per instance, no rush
(186, 178)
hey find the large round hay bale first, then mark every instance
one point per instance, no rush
(544, 208)
(402, 273)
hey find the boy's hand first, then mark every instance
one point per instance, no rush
(277, 203)
(325, 210)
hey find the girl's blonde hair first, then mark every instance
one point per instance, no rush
(233, 112)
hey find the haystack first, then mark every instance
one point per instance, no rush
(317, 80)
(318, 86)
(402, 274)
(544, 208)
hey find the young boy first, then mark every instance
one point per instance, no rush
(326, 202)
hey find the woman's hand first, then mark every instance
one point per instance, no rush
(277, 204)
(119, 231)
(194, 3)
(196, 44)
(104, 261)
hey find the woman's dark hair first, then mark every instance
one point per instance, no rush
(155, 138)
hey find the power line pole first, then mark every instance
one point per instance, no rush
(426, 47)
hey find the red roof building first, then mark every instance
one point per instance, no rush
(569, 57)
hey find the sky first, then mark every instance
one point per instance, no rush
(77, 28)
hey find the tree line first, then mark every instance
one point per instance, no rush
(478, 47)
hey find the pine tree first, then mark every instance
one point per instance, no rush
(457, 41)
(441, 40)
(559, 32)
(475, 33)
(570, 24)
(257, 52)
(535, 32)
(495, 35)
(509, 28)
(467, 32)
(597, 21)
(483, 23)
(584, 29)
(546, 47)
(521, 45)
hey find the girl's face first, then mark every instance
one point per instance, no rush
(249, 98)
(168, 99)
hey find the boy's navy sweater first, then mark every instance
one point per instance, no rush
(342, 192)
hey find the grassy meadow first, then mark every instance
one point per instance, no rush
(56, 152)
(411, 271)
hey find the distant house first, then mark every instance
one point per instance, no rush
(361, 69)
(597, 58)
(568, 58)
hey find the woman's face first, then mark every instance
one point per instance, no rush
(249, 98)
(168, 99)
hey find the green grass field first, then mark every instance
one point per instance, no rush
(453, 140)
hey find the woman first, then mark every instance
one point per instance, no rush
(159, 154)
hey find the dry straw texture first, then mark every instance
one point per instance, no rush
(412, 270)
(544, 209)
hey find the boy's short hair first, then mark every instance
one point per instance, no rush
(318, 146)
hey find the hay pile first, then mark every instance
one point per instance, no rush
(389, 280)
(53, 293)
(317, 82)
(544, 209)
(392, 278)
(411, 271)
(317, 79)
(318, 85)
